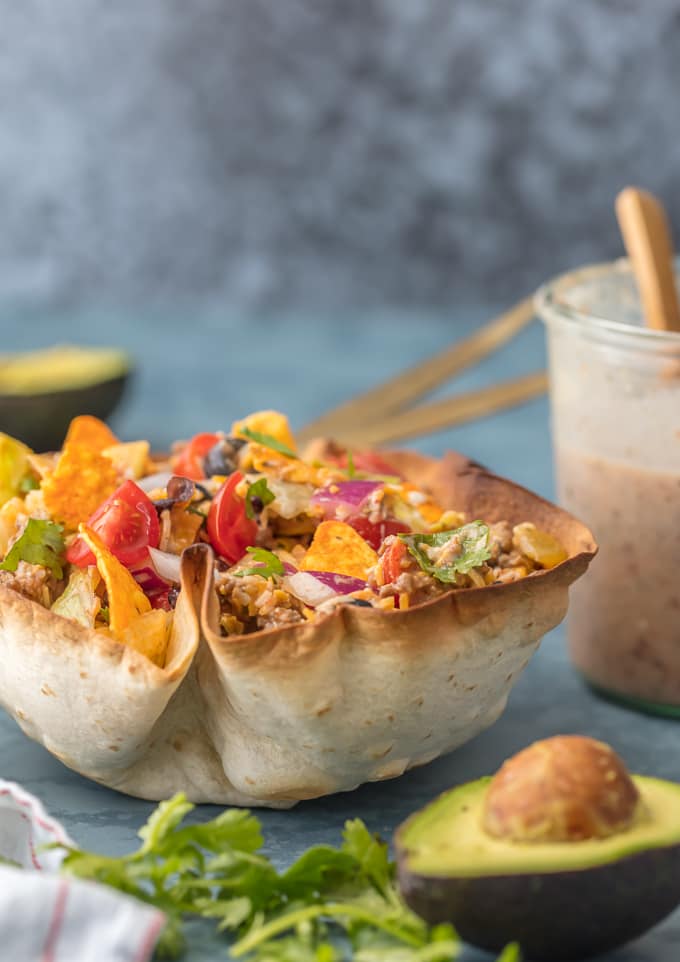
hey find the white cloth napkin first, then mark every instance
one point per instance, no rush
(46, 917)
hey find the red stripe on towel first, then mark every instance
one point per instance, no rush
(58, 913)
(150, 938)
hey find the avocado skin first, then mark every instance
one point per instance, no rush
(41, 420)
(553, 915)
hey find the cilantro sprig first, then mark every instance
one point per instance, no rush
(257, 497)
(268, 564)
(40, 543)
(268, 441)
(473, 550)
(331, 904)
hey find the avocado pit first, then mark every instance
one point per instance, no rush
(563, 850)
(563, 789)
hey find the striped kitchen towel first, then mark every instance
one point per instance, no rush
(45, 917)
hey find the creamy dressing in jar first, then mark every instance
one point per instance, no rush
(615, 407)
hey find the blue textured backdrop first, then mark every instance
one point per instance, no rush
(349, 153)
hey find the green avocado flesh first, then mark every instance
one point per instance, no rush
(447, 840)
(60, 368)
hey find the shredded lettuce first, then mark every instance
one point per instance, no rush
(473, 540)
(331, 904)
(40, 543)
(79, 601)
(28, 483)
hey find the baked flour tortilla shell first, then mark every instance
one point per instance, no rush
(300, 711)
(89, 699)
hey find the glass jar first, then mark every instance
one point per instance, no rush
(615, 409)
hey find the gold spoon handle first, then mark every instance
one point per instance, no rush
(646, 235)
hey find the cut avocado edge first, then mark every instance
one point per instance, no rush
(446, 839)
(60, 368)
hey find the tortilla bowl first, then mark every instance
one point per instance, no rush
(296, 712)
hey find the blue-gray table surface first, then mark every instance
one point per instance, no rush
(199, 373)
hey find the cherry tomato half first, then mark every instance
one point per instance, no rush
(391, 561)
(376, 532)
(230, 530)
(189, 463)
(126, 522)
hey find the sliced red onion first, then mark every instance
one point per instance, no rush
(344, 497)
(341, 584)
(167, 565)
(310, 590)
(315, 587)
(153, 481)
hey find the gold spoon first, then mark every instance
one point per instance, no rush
(647, 238)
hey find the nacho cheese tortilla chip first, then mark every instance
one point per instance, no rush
(127, 601)
(149, 635)
(272, 423)
(80, 483)
(89, 432)
(130, 458)
(337, 547)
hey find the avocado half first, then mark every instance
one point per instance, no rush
(559, 900)
(42, 391)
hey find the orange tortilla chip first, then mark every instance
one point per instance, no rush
(78, 485)
(339, 548)
(272, 423)
(149, 634)
(89, 432)
(127, 601)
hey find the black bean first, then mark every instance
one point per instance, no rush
(360, 603)
(179, 490)
(220, 459)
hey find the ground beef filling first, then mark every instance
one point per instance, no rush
(34, 582)
(505, 564)
(253, 603)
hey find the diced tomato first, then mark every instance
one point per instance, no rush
(126, 522)
(189, 463)
(392, 559)
(230, 530)
(376, 532)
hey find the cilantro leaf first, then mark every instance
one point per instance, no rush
(258, 491)
(40, 543)
(331, 904)
(268, 564)
(162, 821)
(268, 441)
(472, 550)
(369, 852)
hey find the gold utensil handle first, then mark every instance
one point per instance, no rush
(396, 393)
(647, 238)
(446, 413)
